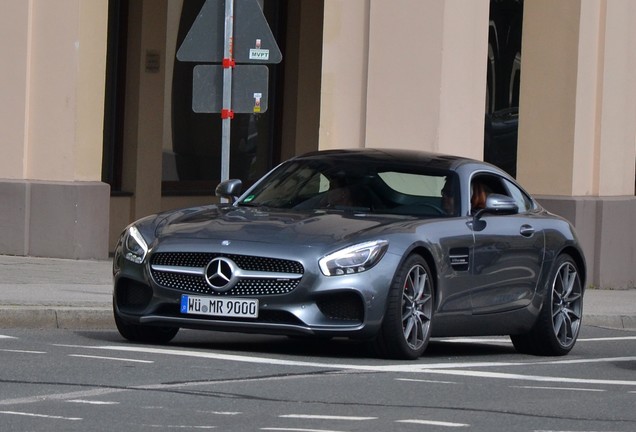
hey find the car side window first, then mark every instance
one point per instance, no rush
(523, 201)
(481, 186)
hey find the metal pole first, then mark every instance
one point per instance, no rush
(227, 89)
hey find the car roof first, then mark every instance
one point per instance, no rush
(432, 160)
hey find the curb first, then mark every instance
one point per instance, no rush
(620, 322)
(46, 317)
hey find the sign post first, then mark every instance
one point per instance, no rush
(249, 41)
(227, 114)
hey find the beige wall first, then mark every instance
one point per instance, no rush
(618, 119)
(344, 74)
(51, 111)
(577, 129)
(15, 29)
(577, 132)
(55, 82)
(404, 73)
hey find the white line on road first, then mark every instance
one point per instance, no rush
(559, 388)
(40, 415)
(326, 417)
(162, 426)
(607, 339)
(506, 340)
(402, 367)
(435, 368)
(7, 337)
(519, 377)
(92, 402)
(23, 351)
(60, 396)
(227, 413)
(111, 358)
(297, 429)
(426, 381)
(433, 423)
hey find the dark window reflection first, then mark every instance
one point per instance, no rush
(193, 166)
(503, 78)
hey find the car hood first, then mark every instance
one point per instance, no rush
(313, 228)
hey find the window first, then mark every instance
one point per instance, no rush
(524, 202)
(148, 106)
(484, 184)
(192, 155)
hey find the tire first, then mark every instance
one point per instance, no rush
(557, 327)
(144, 333)
(406, 328)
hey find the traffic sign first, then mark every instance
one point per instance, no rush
(249, 89)
(253, 41)
(223, 33)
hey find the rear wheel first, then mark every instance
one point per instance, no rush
(406, 328)
(144, 333)
(559, 321)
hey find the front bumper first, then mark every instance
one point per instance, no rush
(348, 306)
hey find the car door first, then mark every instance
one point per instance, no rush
(507, 254)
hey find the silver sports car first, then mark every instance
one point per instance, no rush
(390, 246)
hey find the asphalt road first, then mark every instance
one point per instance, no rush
(61, 380)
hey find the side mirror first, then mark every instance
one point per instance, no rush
(498, 204)
(495, 204)
(229, 189)
(501, 204)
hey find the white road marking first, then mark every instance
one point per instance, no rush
(7, 337)
(23, 351)
(607, 339)
(178, 426)
(538, 378)
(227, 413)
(92, 402)
(426, 381)
(111, 358)
(435, 368)
(502, 340)
(60, 396)
(506, 340)
(433, 423)
(40, 415)
(326, 417)
(297, 429)
(559, 388)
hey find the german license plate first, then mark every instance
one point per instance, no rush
(219, 306)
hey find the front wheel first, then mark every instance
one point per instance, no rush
(559, 321)
(406, 328)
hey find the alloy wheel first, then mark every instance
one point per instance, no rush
(567, 304)
(417, 307)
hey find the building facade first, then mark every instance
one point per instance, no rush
(98, 130)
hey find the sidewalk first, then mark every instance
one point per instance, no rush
(59, 293)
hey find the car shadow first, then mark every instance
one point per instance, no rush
(299, 347)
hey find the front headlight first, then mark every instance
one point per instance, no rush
(135, 247)
(354, 259)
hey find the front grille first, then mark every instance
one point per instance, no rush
(246, 262)
(253, 286)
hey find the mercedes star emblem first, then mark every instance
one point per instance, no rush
(219, 274)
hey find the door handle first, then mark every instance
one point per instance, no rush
(526, 230)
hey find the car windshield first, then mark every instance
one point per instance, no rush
(358, 186)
